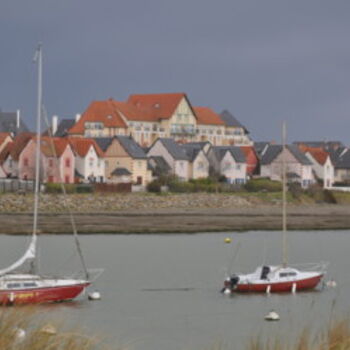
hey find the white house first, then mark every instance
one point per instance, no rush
(89, 162)
(298, 166)
(173, 154)
(321, 165)
(230, 162)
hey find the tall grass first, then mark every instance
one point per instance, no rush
(41, 334)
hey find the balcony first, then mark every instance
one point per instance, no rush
(182, 129)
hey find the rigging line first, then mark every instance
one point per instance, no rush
(234, 256)
(65, 201)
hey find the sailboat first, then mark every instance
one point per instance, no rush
(31, 286)
(283, 277)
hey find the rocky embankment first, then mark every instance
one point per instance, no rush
(147, 213)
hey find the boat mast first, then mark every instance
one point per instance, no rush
(284, 195)
(38, 60)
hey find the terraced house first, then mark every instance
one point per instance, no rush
(148, 117)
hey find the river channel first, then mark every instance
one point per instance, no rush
(161, 292)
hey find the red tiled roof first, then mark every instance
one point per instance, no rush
(318, 153)
(154, 107)
(99, 111)
(19, 142)
(247, 150)
(207, 116)
(54, 146)
(82, 146)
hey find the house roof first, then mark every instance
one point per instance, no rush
(175, 150)
(63, 127)
(192, 150)
(15, 147)
(99, 111)
(104, 142)
(231, 121)
(8, 123)
(82, 145)
(159, 165)
(157, 106)
(319, 154)
(342, 159)
(131, 147)
(235, 151)
(320, 144)
(52, 146)
(207, 116)
(247, 150)
(273, 151)
(260, 146)
(120, 172)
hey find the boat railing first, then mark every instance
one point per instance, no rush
(321, 266)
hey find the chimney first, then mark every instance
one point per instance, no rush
(54, 124)
(18, 118)
(77, 117)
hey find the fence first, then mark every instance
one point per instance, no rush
(14, 185)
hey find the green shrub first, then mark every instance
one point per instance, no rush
(84, 188)
(154, 186)
(57, 188)
(263, 184)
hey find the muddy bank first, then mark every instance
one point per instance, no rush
(316, 217)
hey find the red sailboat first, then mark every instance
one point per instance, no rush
(277, 278)
(32, 287)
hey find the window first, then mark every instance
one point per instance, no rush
(139, 164)
(29, 284)
(139, 180)
(287, 274)
(91, 162)
(238, 167)
(67, 163)
(13, 285)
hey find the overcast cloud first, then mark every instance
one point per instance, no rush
(264, 60)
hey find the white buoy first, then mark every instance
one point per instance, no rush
(294, 288)
(20, 334)
(227, 291)
(272, 316)
(331, 284)
(94, 295)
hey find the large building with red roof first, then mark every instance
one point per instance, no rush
(148, 117)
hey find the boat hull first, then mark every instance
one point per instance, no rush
(279, 287)
(42, 294)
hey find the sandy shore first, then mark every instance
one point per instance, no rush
(311, 217)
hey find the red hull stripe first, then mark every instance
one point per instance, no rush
(41, 295)
(308, 283)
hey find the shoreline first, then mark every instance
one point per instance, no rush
(186, 221)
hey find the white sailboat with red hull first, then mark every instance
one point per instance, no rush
(32, 287)
(278, 278)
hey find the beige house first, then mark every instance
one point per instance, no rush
(122, 155)
(298, 166)
(198, 161)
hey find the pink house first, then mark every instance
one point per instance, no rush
(57, 161)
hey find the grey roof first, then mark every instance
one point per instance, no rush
(260, 146)
(63, 127)
(131, 147)
(8, 123)
(336, 154)
(191, 150)
(230, 120)
(235, 151)
(104, 142)
(175, 150)
(120, 172)
(274, 150)
(159, 165)
(341, 158)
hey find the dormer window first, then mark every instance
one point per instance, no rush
(157, 105)
(109, 117)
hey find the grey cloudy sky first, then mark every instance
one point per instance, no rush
(264, 60)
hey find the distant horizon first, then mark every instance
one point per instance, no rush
(265, 62)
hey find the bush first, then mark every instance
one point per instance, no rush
(84, 188)
(70, 188)
(154, 186)
(263, 184)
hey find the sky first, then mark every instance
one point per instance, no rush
(266, 61)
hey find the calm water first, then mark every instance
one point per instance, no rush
(162, 292)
